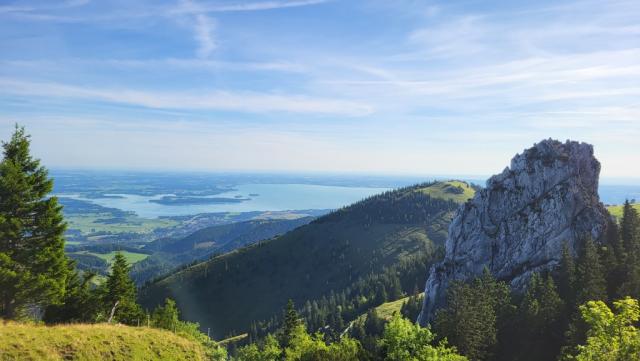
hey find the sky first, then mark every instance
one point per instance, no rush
(376, 86)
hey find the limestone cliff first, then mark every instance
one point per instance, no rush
(518, 224)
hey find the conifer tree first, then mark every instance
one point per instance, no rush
(474, 314)
(166, 316)
(630, 229)
(120, 293)
(590, 280)
(33, 266)
(630, 235)
(80, 302)
(540, 332)
(290, 322)
(567, 276)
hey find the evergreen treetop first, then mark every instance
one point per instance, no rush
(33, 266)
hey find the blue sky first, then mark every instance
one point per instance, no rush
(403, 86)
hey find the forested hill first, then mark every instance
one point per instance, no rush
(229, 292)
(170, 253)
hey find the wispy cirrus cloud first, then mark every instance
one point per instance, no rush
(252, 6)
(51, 6)
(203, 27)
(243, 101)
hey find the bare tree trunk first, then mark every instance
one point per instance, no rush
(113, 310)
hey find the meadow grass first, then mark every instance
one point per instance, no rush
(449, 191)
(93, 342)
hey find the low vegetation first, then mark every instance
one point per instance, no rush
(23, 342)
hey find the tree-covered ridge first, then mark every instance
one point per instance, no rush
(333, 253)
(168, 254)
(413, 204)
(334, 313)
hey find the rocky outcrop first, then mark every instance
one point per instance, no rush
(518, 224)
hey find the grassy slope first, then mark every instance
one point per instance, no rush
(93, 343)
(254, 283)
(456, 191)
(387, 310)
(616, 211)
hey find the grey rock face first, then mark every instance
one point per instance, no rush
(518, 224)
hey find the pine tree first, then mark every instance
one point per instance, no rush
(373, 324)
(540, 332)
(166, 316)
(80, 302)
(590, 278)
(120, 293)
(630, 235)
(630, 229)
(475, 313)
(33, 266)
(290, 322)
(567, 276)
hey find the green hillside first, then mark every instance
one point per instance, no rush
(457, 191)
(170, 253)
(616, 210)
(93, 343)
(228, 292)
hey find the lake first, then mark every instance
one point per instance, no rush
(270, 197)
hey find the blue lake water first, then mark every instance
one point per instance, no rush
(271, 197)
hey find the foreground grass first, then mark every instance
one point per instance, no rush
(93, 343)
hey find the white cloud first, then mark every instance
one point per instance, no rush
(249, 102)
(252, 6)
(204, 29)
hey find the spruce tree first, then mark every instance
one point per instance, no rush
(80, 302)
(291, 320)
(120, 294)
(540, 332)
(630, 229)
(33, 266)
(590, 277)
(166, 316)
(475, 313)
(630, 235)
(567, 277)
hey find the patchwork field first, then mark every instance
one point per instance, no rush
(106, 222)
